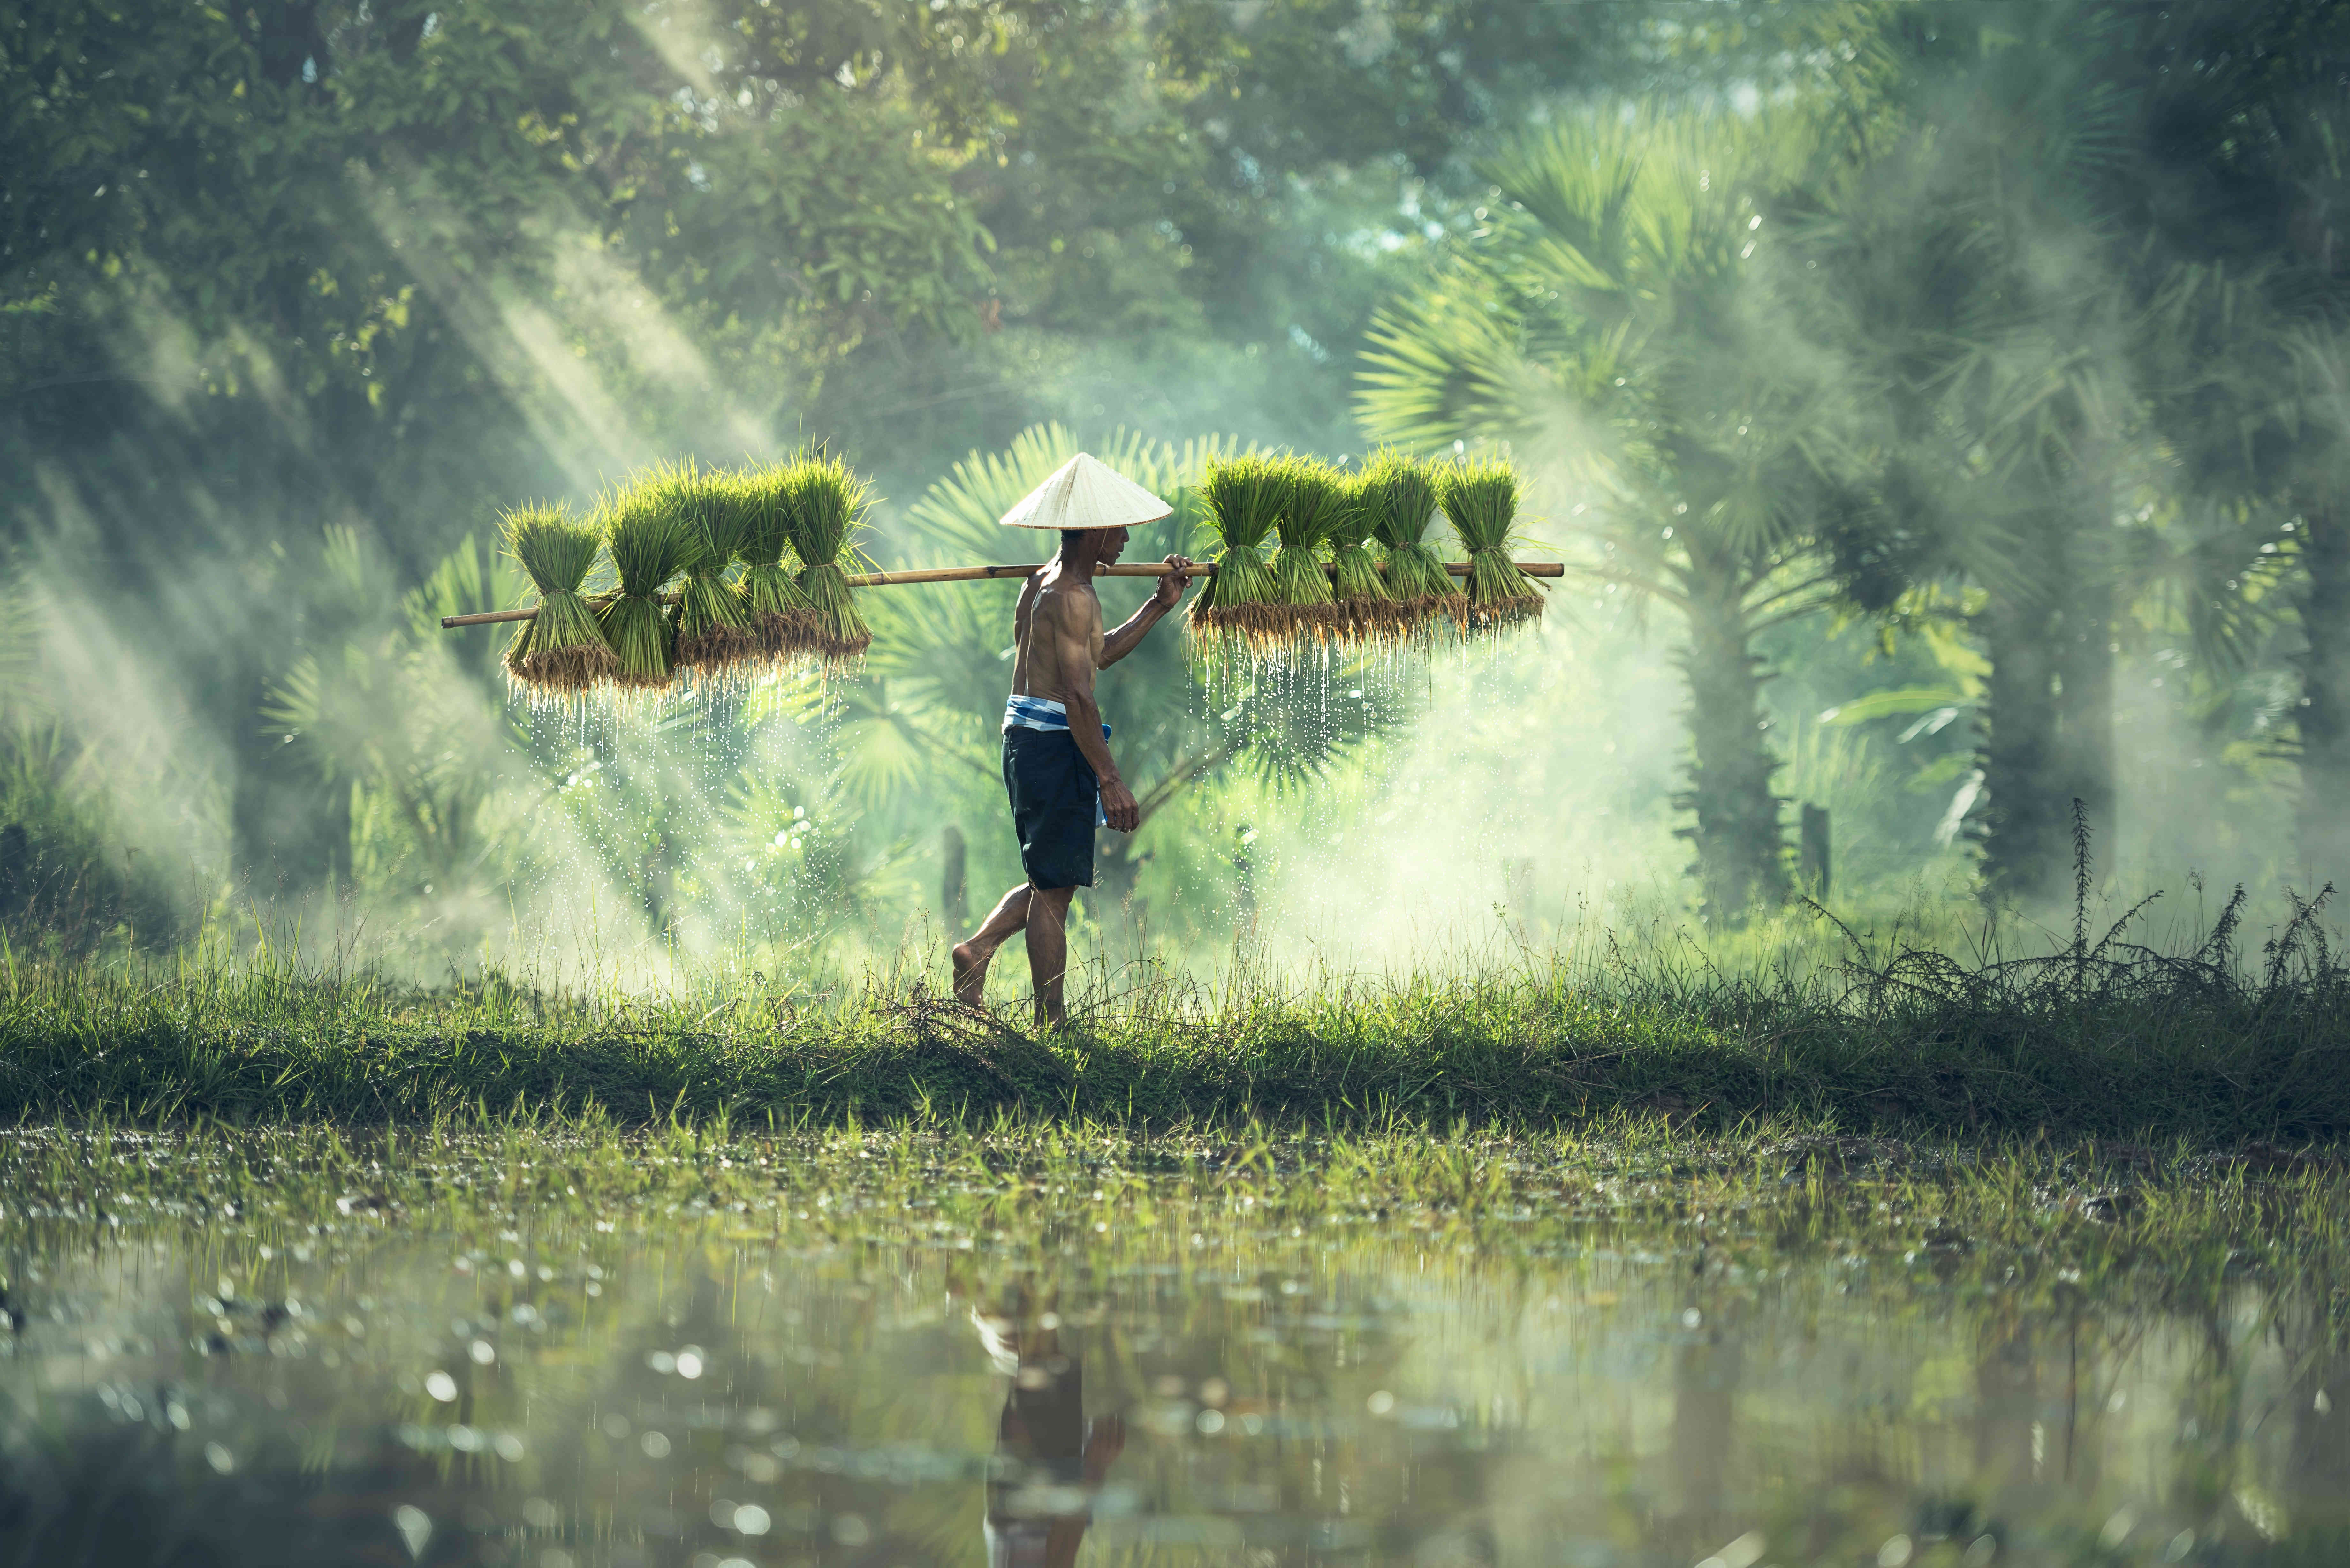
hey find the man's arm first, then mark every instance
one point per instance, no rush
(1163, 598)
(1075, 622)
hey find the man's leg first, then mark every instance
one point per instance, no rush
(971, 957)
(1048, 950)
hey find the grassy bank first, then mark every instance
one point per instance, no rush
(2095, 1037)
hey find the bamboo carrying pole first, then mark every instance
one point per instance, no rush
(989, 574)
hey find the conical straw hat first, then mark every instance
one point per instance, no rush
(1086, 493)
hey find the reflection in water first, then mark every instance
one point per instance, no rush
(1049, 1459)
(696, 1394)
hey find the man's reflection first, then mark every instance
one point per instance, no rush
(1049, 1460)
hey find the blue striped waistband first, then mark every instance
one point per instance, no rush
(1038, 713)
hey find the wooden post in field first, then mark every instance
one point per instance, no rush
(1812, 868)
(953, 890)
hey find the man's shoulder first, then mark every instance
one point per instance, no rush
(1066, 600)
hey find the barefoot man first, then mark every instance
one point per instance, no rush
(1056, 762)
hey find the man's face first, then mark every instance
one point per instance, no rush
(1113, 544)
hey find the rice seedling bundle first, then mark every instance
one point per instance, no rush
(714, 639)
(1404, 495)
(560, 652)
(1355, 581)
(1481, 496)
(1235, 607)
(650, 538)
(778, 614)
(1310, 504)
(825, 511)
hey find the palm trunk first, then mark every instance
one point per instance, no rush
(1740, 849)
(2026, 818)
(2325, 693)
(2084, 678)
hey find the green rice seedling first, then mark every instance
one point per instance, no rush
(1235, 609)
(1481, 496)
(1372, 616)
(1310, 506)
(777, 613)
(825, 513)
(714, 638)
(1405, 493)
(650, 538)
(560, 653)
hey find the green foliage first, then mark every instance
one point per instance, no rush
(71, 882)
(1620, 326)
(390, 716)
(2072, 322)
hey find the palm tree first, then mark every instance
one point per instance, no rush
(1961, 269)
(1613, 325)
(407, 721)
(2323, 494)
(2244, 262)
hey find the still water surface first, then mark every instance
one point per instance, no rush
(699, 1389)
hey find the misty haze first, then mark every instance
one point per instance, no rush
(1637, 865)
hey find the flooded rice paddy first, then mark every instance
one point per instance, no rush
(1048, 1346)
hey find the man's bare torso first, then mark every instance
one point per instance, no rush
(1048, 613)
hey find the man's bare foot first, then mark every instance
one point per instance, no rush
(971, 973)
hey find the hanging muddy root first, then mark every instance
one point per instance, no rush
(787, 638)
(1504, 615)
(1257, 627)
(844, 651)
(1375, 618)
(724, 657)
(560, 675)
(1500, 597)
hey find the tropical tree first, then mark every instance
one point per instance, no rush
(2050, 268)
(1615, 325)
(406, 724)
(2236, 204)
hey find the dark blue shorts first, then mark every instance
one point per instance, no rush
(1054, 800)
